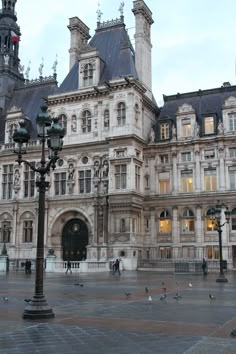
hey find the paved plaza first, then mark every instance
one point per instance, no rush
(99, 317)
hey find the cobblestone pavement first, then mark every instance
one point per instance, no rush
(99, 318)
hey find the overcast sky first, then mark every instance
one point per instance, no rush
(193, 41)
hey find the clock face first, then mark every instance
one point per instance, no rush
(60, 162)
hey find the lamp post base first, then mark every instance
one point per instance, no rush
(221, 279)
(38, 309)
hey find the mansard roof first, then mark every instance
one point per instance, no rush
(203, 102)
(112, 42)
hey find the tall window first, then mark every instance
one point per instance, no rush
(209, 125)
(5, 231)
(164, 131)
(186, 156)
(29, 181)
(186, 127)
(85, 181)
(106, 118)
(122, 225)
(210, 224)
(27, 231)
(62, 120)
(188, 221)
(213, 252)
(232, 178)
(232, 121)
(121, 113)
(233, 219)
(232, 152)
(86, 121)
(137, 177)
(164, 158)
(165, 222)
(120, 176)
(187, 181)
(136, 112)
(210, 180)
(7, 181)
(11, 131)
(164, 183)
(165, 252)
(88, 75)
(60, 183)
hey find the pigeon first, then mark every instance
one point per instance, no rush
(163, 297)
(127, 295)
(190, 285)
(28, 300)
(164, 289)
(5, 299)
(149, 299)
(177, 296)
(146, 289)
(233, 333)
(212, 297)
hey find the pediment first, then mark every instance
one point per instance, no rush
(231, 101)
(185, 108)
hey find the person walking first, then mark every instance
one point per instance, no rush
(116, 267)
(204, 266)
(68, 267)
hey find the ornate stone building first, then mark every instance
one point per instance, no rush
(133, 180)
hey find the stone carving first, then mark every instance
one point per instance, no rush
(173, 132)
(71, 172)
(73, 124)
(6, 59)
(41, 68)
(96, 168)
(17, 178)
(152, 135)
(196, 130)
(105, 169)
(220, 127)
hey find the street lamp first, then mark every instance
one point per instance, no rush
(5, 230)
(48, 130)
(215, 215)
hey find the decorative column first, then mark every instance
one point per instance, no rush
(221, 169)
(197, 186)
(199, 232)
(175, 233)
(175, 172)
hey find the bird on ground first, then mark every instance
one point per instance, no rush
(163, 297)
(28, 300)
(190, 285)
(177, 296)
(212, 297)
(233, 333)
(146, 289)
(149, 299)
(128, 295)
(5, 299)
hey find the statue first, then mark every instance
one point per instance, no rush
(17, 178)
(173, 132)
(196, 130)
(54, 67)
(41, 68)
(152, 135)
(106, 118)
(21, 68)
(121, 9)
(220, 127)
(73, 124)
(71, 172)
(27, 71)
(6, 59)
(105, 169)
(96, 168)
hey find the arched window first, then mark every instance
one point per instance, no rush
(88, 75)
(106, 118)
(188, 221)
(233, 219)
(121, 113)
(210, 224)
(86, 122)
(165, 222)
(62, 120)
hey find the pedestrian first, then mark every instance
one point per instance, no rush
(204, 266)
(27, 267)
(68, 266)
(116, 267)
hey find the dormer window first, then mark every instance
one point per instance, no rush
(209, 125)
(232, 121)
(121, 113)
(186, 127)
(88, 75)
(164, 131)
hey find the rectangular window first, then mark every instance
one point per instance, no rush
(85, 181)
(186, 128)
(187, 225)
(137, 177)
(60, 183)
(165, 131)
(186, 156)
(7, 181)
(232, 152)
(165, 226)
(29, 181)
(164, 158)
(28, 231)
(165, 252)
(188, 252)
(164, 183)
(209, 125)
(122, 225)
(210, 181)
(209, 154)
(5, 231)
(120, 176)
(213, 252)
(232, 121)
(187, 181)
(232, 178)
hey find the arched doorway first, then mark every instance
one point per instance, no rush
(74, 240)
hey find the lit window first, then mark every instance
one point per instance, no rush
(165, 131)
(232, 121)
(88, 75)
(211, 225)
(85, 181)
(188, 221)
(165, 223)
(164, 183)
(28, 231)
(121, 114)
(62, 120)
(209, 125)
(213, 252)
(210, 180)
(186, 128)
(187, 181)
(120, 176)
(86, 121)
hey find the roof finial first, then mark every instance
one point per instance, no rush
(99, 13)
(121, 9)
(41, 68)
(54, 67)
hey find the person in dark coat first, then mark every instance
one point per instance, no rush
(116, 267)
(204, 266)
(68, 266)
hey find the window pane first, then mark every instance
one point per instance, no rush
(209, 125)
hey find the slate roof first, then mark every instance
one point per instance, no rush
(115, 50)
(202, 101)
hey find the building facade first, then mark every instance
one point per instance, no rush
(133, 180)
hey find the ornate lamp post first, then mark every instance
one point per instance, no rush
(5, 230)
(48, 130)
(215, 215)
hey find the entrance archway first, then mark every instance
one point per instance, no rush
(74, 240)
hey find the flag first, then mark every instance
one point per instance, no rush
(14, 37)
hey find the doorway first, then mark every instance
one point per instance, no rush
(234, 256)
(74, 240)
